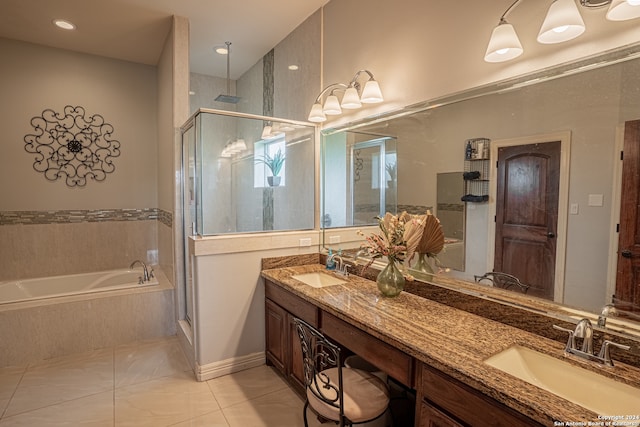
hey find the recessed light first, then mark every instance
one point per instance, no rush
(222, 50)
(64, 24)
(293, 67)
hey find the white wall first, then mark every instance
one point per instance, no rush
(35, 78)
(229, 300)
(420, 50)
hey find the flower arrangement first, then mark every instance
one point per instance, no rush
(404, 235)
(432, 238)
(399, 237)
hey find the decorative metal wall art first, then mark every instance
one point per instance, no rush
(72, 146)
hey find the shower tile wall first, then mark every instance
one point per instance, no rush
(46, 243)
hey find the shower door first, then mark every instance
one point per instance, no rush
(189, 188)
(372, 180)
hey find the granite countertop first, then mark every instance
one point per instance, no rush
(453, 341)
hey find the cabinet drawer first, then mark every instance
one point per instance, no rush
(292, 303)
(469, 406)
(431, 417)
(387, 358)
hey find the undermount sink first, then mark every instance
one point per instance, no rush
(318, 280)
(598, 393)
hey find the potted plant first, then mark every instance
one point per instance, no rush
(274, 164)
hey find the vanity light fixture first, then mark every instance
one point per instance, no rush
(234, 147)
(563, 22)
(352, 98)
(266, 131)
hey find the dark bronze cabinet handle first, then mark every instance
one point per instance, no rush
(551, 234)
(626, 253)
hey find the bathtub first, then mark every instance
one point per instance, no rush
(73, 284)
(62, 315)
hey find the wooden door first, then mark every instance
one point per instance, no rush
(628, 272)
(527, 214)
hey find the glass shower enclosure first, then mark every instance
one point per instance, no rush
(244, 173)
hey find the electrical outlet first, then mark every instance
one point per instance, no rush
(305, 242)
(573, 209)
(334, 240)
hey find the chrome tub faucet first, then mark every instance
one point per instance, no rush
(146, 274)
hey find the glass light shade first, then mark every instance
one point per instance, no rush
(371, 93)
(504, 44)
(621, 10)
(317, 115)
(563, 22)
(332, 106)
(351, 99)
(266, 132)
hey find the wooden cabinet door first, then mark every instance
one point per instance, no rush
(431, 417)
(276, 337)
(296, 370)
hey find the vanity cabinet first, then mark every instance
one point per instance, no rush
(283, 350)
(447, 402)
(441, 401)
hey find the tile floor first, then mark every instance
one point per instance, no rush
(142, 384)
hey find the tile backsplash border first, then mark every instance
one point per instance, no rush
(81, 215)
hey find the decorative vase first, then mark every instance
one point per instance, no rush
(423, 266)
(274, 181)
(390, 280)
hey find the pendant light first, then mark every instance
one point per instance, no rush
(621, 10)
(504, 43)
(562, 23)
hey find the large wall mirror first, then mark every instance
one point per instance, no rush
(570, 121)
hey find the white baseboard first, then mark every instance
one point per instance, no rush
(229, 366)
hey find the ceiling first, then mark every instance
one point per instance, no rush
(135, 30)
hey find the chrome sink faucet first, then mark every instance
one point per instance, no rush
(146, 275)
(609, 310)
(341, 266)
(584, 330)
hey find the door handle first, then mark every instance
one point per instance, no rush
(626, 253)
(551, 234)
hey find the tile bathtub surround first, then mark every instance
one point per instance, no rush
(43, 250)
(48, 243)
(80, 215)
(147, 383)
(30, 332)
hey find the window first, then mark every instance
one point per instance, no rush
(268, 149)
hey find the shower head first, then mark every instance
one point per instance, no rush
(228, 98)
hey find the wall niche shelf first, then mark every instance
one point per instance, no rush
(476, 170)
